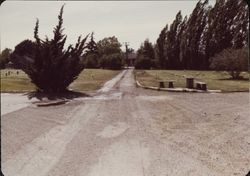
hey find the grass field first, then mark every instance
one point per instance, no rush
(88, 80)
(92, 79)
(214, 80)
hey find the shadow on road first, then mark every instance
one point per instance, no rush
(68, 95)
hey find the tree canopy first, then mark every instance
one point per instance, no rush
(5, 57)
(110, 53)
(145, 56)
(109, 45)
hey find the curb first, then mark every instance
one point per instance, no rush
(177, 89)
(50, 103)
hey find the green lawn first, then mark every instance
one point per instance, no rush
(88, 80)
(214, 80)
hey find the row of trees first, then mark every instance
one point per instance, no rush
(191, 42)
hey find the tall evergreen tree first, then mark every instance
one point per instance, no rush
(179, 45)
(193, 34)
(223, 33)
(160, 47)
(214, 32)
(172, 46)
(92, 46)
(207, 35)
(241, 25)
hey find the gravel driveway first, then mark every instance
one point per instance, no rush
(129, 131)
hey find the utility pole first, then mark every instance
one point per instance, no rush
(126, 45)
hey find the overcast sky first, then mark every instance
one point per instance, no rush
(129, 21)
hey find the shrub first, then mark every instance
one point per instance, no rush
(234, 61)
(49, 66)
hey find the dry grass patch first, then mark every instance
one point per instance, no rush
(88, 80)
(215, 80)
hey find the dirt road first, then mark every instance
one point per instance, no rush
(129, 131)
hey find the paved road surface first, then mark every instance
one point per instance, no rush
(13, 101)
(129, 131)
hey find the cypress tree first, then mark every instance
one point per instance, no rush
(194, 31)
(181, 47)
(160, 47)
(241, 25)
(50, 67)
(172, 45)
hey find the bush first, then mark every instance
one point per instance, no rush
(234, 61)
(49, 66)
(143, 63)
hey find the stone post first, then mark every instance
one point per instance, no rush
(190, 83)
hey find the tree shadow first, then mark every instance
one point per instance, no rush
(67, 95)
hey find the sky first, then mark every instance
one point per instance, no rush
(129, 21)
